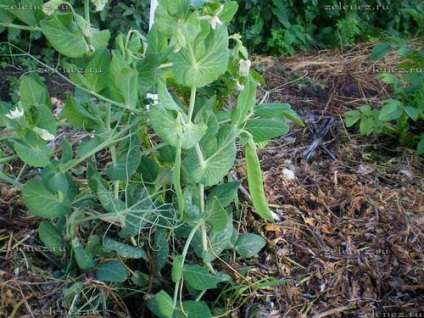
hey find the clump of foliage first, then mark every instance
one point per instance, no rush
(275, 26)
(159, 218)
(398, 114)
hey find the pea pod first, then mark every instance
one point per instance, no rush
(254, 178)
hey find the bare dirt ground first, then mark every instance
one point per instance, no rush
(350, 239)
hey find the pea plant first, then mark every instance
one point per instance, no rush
(398, 115)
(145, 197)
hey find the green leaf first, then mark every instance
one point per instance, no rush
(123, 80)
(228, 12)
(225, 193)
(380, 50)
(193, 309)
(80, 117)
(161, 305)
(204, 61)
(128, 159)
(391, 110)
(165, 98)
(218, 242)
(245, 102)
(66, 39)
(420, 146)
(112, 271)
(277, 110)
(199, 278)
(83, 258)
(412, 112)
(249, 244)
(366, 125)
(123, 250)
(218, 154)
(352, 117)
(161, 248)
(42, 202)
(35, 154)
(264, 129)
(177, 268)
(216, 216)
(149, 169)
(51, 238)
(165, 123)
(33, 92)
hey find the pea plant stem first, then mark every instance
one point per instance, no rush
(184, 255)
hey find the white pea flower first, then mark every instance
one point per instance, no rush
(100, 4)
(288, 174)
(244, 67)
(214, 21)
(44, 134)
(14, 114)
(239, 87)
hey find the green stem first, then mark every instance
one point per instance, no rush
(184, 255)
(20, 27)
(112, 147)
(191, 106)
(8, 179)
(176, 178)
(87, 11)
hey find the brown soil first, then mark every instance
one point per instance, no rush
(350, 239)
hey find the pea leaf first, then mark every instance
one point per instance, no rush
(264, 129)
(199, 278)
(225, 193)
(42, 202)
(112, 271)
(193, 309)
(161, 305)
(123, 250)
(128, 159)
(249, 244)
(380, 50)
(51, 238)
(204, 61)
(33, 92)
(218, 157)
(391, 110)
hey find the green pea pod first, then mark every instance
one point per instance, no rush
(254, 178)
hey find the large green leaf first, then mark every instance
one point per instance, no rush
(218, 154)
(204, 61)
(51, 238)
(112, 271)
(278, 110)
(264, 129)
(193, 309)
(42, 202)
(216, 216)
(249, 244)
(36, 154)
(218, 241)
(84, 258)
(28, 11)
(391, 110)
(123, 80)
(128, 159)
(68, 39)
(123, 250)
(33, 92)
(199, 278)
(225, 193)
(161, 305)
